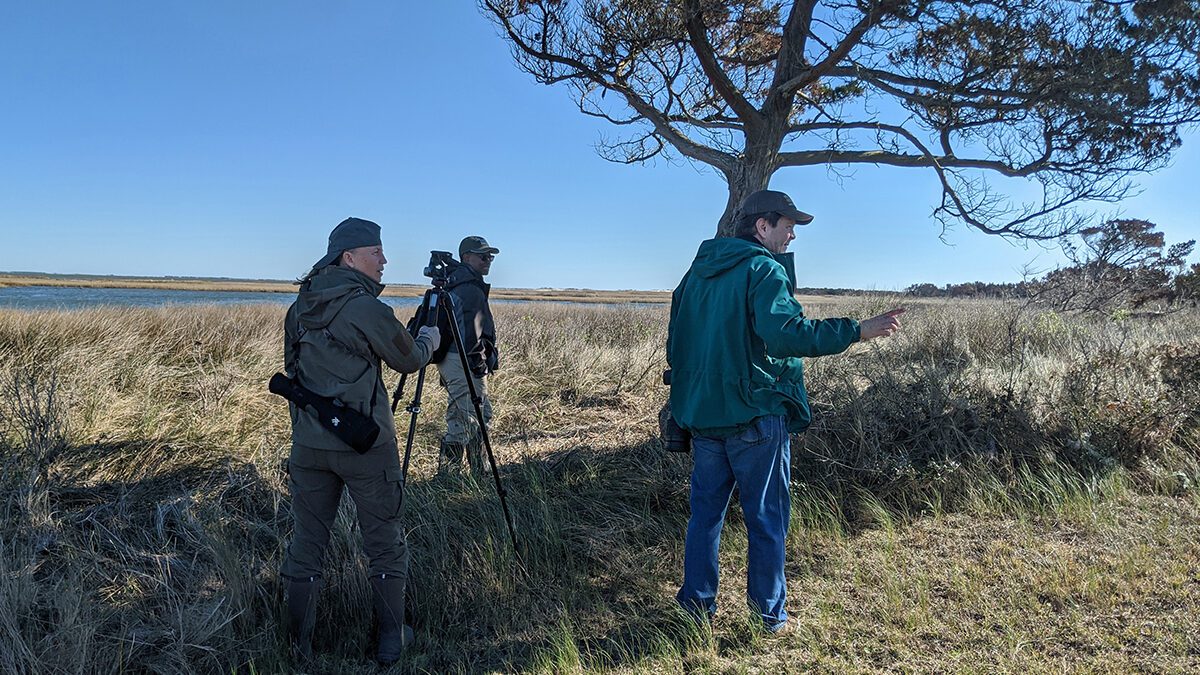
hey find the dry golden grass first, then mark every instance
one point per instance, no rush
(995, 489)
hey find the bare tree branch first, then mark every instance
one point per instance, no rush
(697, 32)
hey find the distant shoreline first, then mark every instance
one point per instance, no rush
(11, 280)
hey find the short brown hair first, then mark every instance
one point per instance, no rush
(746, 226)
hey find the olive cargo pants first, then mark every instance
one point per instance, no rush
(316, 478)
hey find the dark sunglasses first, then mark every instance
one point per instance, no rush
(486, 256)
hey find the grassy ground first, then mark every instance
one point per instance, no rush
(994, 490)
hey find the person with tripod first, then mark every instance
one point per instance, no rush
(478, 331)
(439, 307)
(734, 342)
(338, 335)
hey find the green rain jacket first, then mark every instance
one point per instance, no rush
(335, 336)
(735, 337)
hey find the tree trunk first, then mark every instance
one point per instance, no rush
(752, 176)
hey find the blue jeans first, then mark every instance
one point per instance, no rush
(758, 460)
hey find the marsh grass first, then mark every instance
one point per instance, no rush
(994, 489)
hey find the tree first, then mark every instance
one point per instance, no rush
(1121, 264)
(1077, 96)
(925, 290)
(1187, 285)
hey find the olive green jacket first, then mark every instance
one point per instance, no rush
(336, 336)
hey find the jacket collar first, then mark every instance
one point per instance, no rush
(787, 259)
(336, 275)
(465, 274)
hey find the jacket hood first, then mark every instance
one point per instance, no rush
(718, 256)
(326, 293)
(463, 273)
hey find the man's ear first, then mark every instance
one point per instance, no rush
(762, 226)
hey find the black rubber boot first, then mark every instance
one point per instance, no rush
(394, 636)
(302, 615)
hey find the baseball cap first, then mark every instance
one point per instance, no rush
(475, 244)
(765, 201)
(350, 233)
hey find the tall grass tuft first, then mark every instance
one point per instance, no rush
(144, 507)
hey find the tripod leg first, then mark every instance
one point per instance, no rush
(414, 409)
(462, 424)
(447, 305)
(422, 313)
(474, 448)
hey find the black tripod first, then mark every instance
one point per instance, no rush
(438, 299)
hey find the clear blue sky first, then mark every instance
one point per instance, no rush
(224, 138)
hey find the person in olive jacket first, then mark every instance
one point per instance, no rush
(734, 342)
(478, 331)
(338, 335)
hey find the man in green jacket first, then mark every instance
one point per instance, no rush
(338, 335)
(734, 344)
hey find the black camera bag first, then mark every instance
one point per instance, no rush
(674, 437)
(353, 428)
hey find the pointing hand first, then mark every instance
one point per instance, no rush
(881, 326)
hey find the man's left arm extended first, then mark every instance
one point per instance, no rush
(779, 321)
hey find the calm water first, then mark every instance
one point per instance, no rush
(50, 297)
(53, 297)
